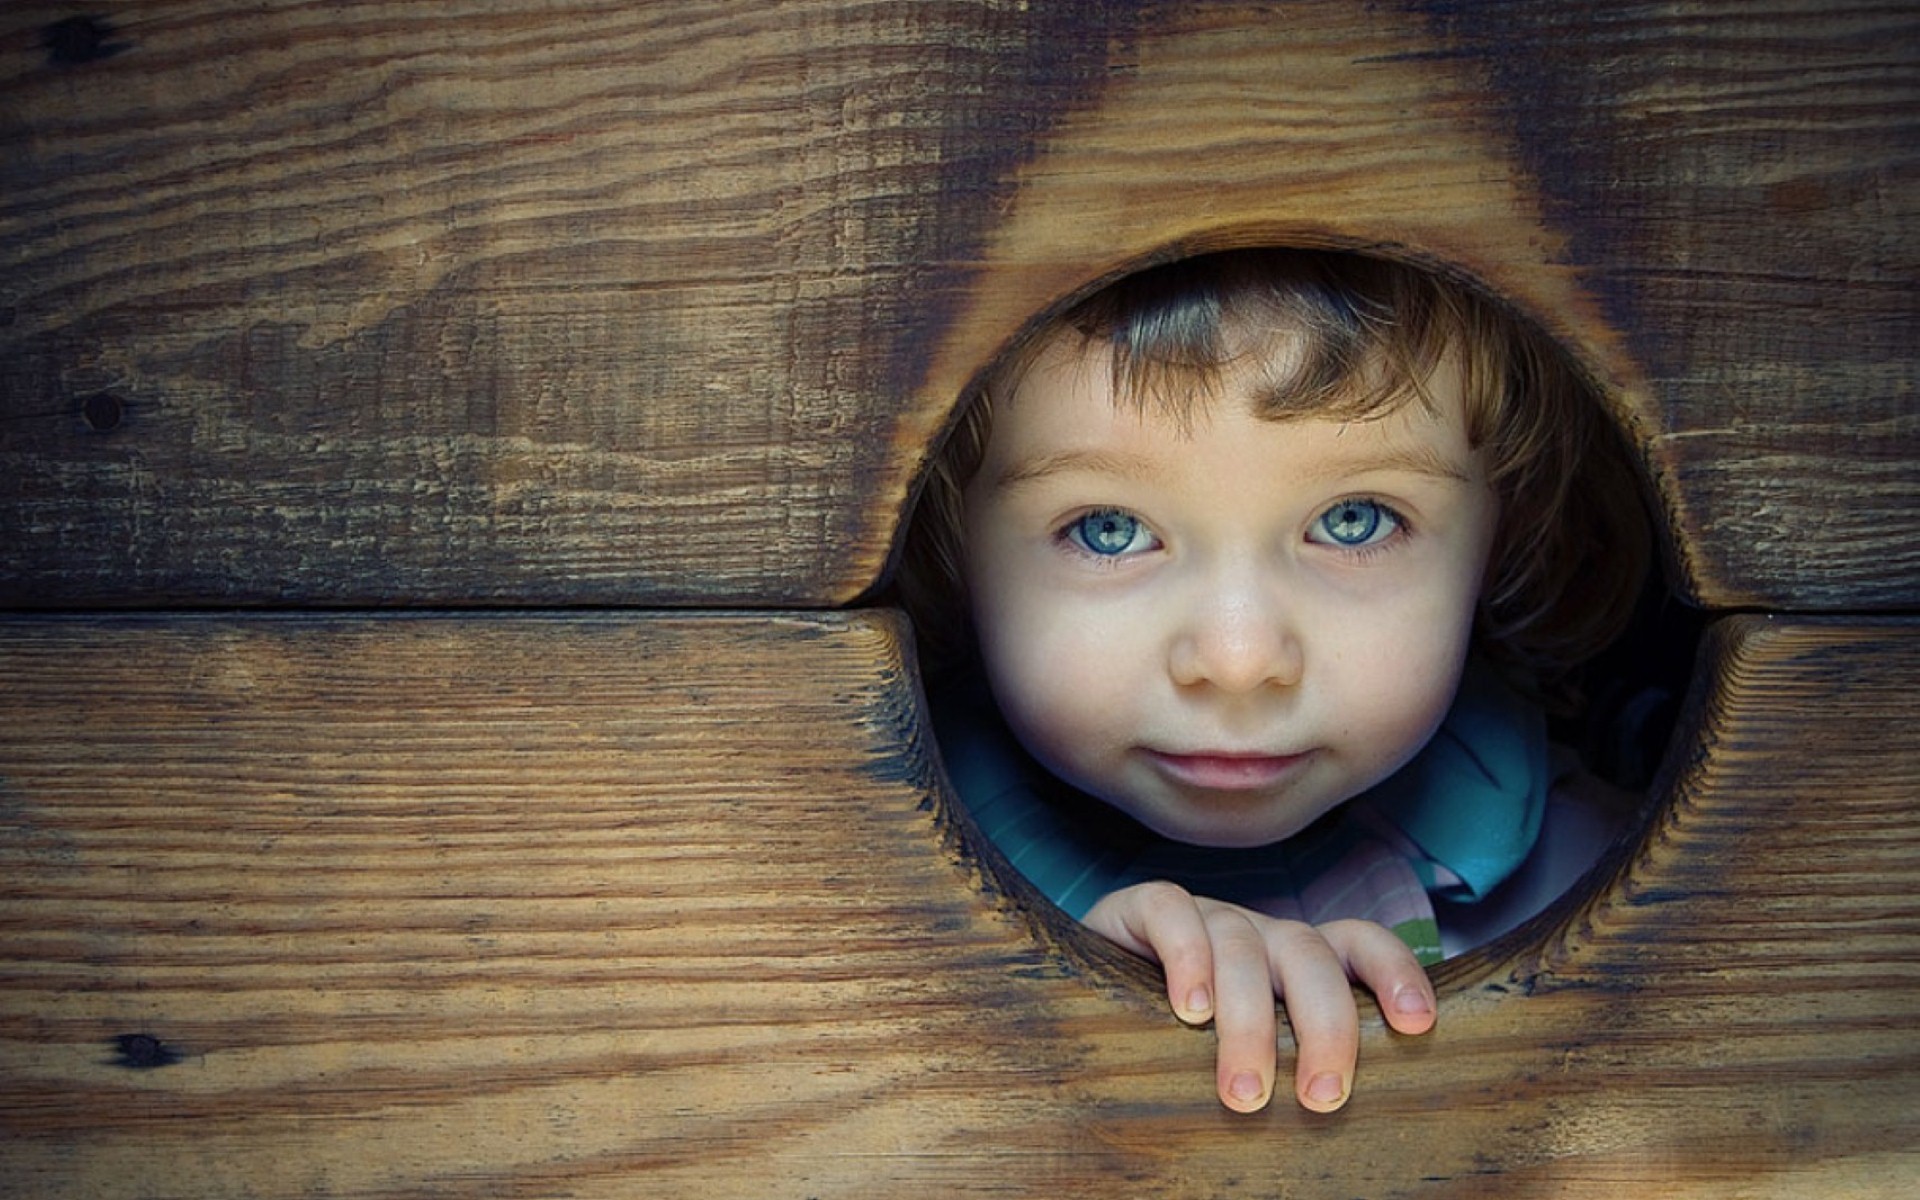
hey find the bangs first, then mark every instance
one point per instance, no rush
(1352, 339)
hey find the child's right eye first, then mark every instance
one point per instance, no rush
(1109, 533)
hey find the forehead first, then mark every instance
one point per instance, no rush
(1067, 395)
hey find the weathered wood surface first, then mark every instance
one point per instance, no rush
(663, 303)
(616, 906)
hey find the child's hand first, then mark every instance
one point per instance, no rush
(1226, 963)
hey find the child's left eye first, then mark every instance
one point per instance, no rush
(1354, 523)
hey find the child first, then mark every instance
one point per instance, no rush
(1237, 541)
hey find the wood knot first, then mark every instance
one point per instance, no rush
(77, 41)
(143, 1052)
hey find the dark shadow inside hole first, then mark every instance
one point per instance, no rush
(1624, 731)
(1633, 691)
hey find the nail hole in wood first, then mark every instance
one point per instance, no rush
(103, 411)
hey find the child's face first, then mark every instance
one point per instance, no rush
(1223, 631)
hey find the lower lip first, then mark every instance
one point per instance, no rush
(1228, 772)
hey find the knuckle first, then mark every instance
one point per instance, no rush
(1353, 930)
(1226, 925)
(1161, 896)
(1366, 939)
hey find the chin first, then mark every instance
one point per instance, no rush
(1223, 823)
(1226, 835)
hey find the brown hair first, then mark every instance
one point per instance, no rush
(1573, 544)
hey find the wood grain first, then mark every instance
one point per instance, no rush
(654, 304)
(1670, 190)
(640, 304)
(439, 906)
(485, 302)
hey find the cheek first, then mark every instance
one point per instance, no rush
(1398, 688)
(1049, 665)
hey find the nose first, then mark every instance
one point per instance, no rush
(1239, 637)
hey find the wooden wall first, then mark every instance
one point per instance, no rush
(481, 302)
(496, 313)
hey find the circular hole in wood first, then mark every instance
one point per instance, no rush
(1138, 530)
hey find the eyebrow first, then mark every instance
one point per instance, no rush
(1419, 459)
(1102, 462)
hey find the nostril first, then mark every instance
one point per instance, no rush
(1237, 649)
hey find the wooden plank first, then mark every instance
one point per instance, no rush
(1743, 204)
(1710, 204)
(386, 302)
(381, 303)
(602, 905)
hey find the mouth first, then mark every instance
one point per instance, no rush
(1227, 772)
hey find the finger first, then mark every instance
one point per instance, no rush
(1244, 1022)
(1312, 981)
(1382, 962)
(1162, 921)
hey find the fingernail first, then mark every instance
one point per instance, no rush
(1246, 1087)
(1411, 1001)
(1326, 1089)
(1199, 1002)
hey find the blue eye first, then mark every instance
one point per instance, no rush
(1109, 532)
(1354, 523)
